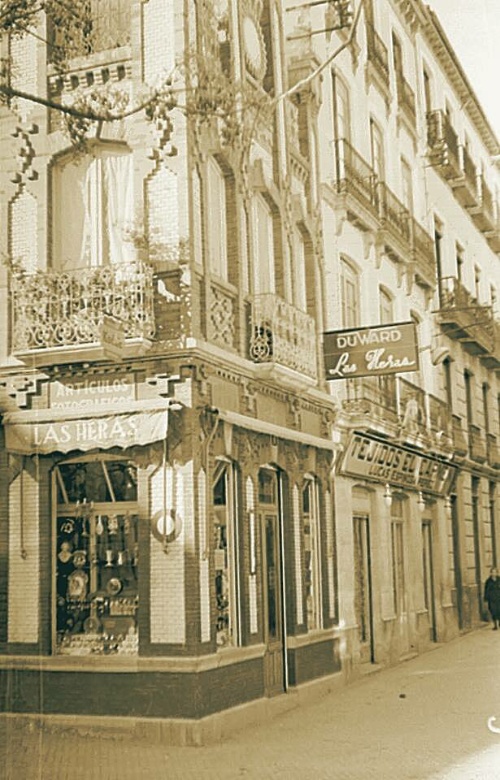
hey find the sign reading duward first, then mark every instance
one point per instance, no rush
(383, 349)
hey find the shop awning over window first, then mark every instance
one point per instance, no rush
(86, 433)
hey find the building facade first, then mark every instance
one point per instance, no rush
(192, 516)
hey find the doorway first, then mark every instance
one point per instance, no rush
(272, 584)
(428, 569)
(363, 587)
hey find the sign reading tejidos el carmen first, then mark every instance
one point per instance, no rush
(383, 349)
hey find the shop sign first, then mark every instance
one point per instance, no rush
(112, 337)
(119, 430)
(373, 459)
(384, 349)
(93, 392)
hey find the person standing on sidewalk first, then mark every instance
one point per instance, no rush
(492, 596)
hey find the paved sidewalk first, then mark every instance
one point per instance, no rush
(426, 719)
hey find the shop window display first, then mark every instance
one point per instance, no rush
(225, 557)
(97, 558)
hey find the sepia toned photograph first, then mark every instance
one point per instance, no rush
(249, 389)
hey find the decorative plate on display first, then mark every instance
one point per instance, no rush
(79, 558)
(92, 625)
(77, 584)
(114, 586)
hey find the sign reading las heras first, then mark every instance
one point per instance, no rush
(383, 349)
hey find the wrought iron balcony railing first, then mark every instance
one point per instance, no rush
(485, 215)
(378, 55)
(461, 317)
(423, 253)
(400, 408)
(283, 335)
(394, 216)
(493, 451)
(406, 99)
(477, 444)
(106, 25)
(443, 144)
(355, 177)
(53, 310)
(460, 445)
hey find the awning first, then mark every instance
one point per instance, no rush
(279, 431)
(86, 433)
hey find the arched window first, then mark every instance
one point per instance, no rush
(93, 208)
(216, 220)
(263, 245)
(349, 294)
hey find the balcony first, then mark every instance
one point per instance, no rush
(395, 224)
(394, 407)
(406, 102)
(65, 317)
(413, 412)
(424, 256)
(477, 444)
(355, 186)
(460, 445)
(107, 27)
(493, 451)
(443, 147)
(485, 214)
(462, 318)
(377, 61)
(283, 341)
(440, 422)
(371, 404)
(465, 186)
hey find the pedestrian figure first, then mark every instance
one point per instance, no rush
(492, 597)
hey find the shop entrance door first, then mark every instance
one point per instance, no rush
(429, 599)
(362, 587)
(273, 609)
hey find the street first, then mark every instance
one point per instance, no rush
(427, 718)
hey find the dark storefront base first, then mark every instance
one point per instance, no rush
(312, 661)
(130, 694)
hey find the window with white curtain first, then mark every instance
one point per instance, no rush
(263, 246)
(217, 220)
(93, 209)
(300, 292)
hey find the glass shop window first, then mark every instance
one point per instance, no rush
(226, 556)
(97, 558)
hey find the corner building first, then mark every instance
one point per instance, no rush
(188, 522)
(409, 199)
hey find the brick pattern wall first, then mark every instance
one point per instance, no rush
(23, 230)
(163, 207)
(167, 575)
(24, 559)
(24, 76)
(204, 557)
(159, 39)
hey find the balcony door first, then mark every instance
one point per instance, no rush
(272, 582)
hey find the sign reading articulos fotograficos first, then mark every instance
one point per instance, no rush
(383, 349)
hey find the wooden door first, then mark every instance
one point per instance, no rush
(273, 606)
(362, 588)
(429, 598)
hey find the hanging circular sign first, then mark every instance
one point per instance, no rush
(168, 527)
